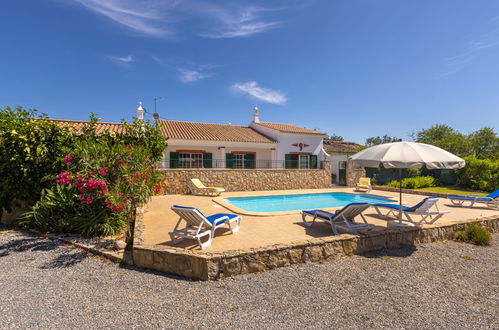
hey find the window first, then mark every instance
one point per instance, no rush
(190, 160)
(300, 161)
(238, 160)
(304, 161)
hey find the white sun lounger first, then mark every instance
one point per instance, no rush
(491, 200)
(198, 188)
(343, 219)
(423, 209)
(198, 225)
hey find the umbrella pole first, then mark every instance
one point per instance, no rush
(400, 195)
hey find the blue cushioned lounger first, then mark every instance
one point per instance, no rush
(198, 225)
(491, 200)
(422, 208)
(343, 219)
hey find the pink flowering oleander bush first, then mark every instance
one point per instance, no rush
(97, 195)
(99, 181)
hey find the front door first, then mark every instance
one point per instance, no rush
(342, 179)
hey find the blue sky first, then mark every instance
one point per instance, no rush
(356, 68)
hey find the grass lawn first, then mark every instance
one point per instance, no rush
(453, 190)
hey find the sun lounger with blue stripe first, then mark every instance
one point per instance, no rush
(422, 208)
(198, 225)
(342, 219)
(491, 200)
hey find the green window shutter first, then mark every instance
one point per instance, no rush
(313, 161)
(229, 161)
(173, 159)
(249, 161)
(288, 161)
(207, 160)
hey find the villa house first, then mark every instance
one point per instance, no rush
(338, 153)
(244, 157)
(260, 145)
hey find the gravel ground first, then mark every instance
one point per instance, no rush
(45, 284)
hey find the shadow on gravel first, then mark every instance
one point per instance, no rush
(27, 244)
(30, 242)
(66, 260)
(402, 252)
(157, 273)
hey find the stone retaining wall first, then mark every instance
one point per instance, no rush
(353, 174)
(176, 180)
(211, 266)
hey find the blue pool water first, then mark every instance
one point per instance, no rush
(279, 203)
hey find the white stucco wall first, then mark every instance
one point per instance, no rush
(286, 141)
(263, 150)
(335, 160)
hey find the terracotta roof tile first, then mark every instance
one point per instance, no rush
(212, 132)
(287, 128)
(77, 126)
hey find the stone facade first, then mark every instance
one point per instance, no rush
(176, 180)
(353, 174)
(211, 266)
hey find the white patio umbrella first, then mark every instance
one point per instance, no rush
(407, 155)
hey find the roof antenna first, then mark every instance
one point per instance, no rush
(155, 115)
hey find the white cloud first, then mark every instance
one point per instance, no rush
(238, 23)
(263, 94)
(190, 76)
(145, 17)
(487, 41)
(158, 18)
(125, 59)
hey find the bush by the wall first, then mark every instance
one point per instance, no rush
(415, 182)
(30, 149)
(475, 234)
(92, 182)
(479, 174)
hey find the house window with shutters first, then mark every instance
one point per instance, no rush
(240, 160)
(301, 161)
(190, 159)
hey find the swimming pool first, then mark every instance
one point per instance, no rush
(279, 203)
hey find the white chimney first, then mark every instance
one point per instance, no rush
(256, 116)
(140, 112)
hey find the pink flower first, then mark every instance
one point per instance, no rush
(118, 208)
(68, 159)
(103, 171)
(63, 178)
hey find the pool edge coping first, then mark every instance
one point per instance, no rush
(231, 207)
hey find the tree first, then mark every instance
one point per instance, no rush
(484, 143)
(372, 141)
(445, 137)
(334, 137)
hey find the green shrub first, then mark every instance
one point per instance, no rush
(479, 174)
(92, 181)
(475, 234)
(415, 182)
(30, 149)
(96, 195)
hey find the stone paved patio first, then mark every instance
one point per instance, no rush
(261, 231)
